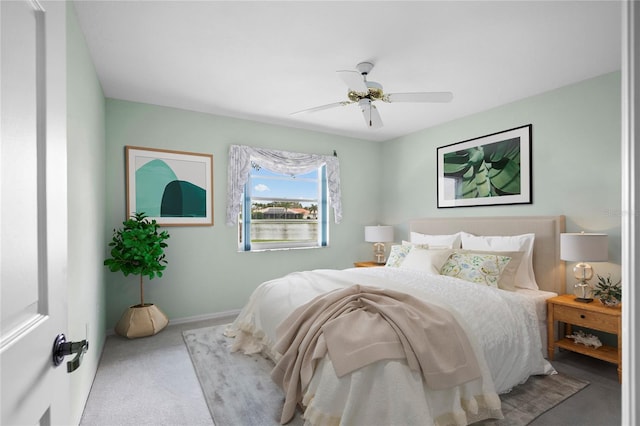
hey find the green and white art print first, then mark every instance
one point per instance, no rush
(173, 187)
(488, 170)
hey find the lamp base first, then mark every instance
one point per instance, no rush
(583, 291)
(379, 253)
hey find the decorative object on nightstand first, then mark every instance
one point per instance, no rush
(583, 247)
(378, 235)
(607, 292)
(586, 339)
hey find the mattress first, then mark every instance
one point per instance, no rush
(540, 299)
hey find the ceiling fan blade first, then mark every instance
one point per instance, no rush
(322, 107)
(419, 97)
(354, 81)
(370, 114)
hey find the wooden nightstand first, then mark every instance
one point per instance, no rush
(369, 264)
(592, 315)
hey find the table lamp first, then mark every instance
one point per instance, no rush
(583, 247)
(378, 235)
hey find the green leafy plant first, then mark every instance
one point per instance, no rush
(485, 171)
(138, 248)
(608, 292)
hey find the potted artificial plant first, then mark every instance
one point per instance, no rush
(138, 248)
(609, 293)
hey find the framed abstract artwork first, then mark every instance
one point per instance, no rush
(489, 170)
(173, 187)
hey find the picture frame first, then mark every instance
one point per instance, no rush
(489, 170)
(173, 187)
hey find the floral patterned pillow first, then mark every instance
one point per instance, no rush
(476, 268)
(397, 255)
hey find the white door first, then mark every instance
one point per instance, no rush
(33, 200)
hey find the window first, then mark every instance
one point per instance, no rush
(283, 210)
(312, 183)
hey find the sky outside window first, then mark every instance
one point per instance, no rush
(267, 184)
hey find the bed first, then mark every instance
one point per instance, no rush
(505, 328)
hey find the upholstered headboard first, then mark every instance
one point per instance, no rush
(547, 266)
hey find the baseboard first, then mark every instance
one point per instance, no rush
(217, 315)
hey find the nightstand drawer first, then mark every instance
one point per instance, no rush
(582, 318)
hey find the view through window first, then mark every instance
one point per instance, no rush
(283, 211)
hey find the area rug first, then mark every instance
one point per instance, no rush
(239, 390)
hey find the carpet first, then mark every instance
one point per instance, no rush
(239, 390)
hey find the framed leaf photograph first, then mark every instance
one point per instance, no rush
(173, 187)
(489, 170)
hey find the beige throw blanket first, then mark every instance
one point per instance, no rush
(360, 325)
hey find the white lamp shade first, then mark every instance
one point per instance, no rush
(378, 234)
(584, 247)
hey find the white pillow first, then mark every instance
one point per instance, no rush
(425, 260)
(525, 278)
(448, 241)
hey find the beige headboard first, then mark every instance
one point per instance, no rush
(547, 266)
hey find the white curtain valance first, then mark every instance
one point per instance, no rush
(294, 163)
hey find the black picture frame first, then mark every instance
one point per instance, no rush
(489, 170)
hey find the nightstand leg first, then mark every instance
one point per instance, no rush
(551, 334)
(620, 349)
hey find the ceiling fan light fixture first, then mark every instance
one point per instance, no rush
(375, 90)
(354, 96)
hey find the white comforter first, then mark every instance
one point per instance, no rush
(501, 325)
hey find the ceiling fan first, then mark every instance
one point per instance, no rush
(365, 93)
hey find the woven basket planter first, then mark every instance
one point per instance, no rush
(141, 321)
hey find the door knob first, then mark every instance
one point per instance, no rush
(62, 348)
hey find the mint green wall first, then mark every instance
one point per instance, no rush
(576, 162)
(86, 205)
(205, 273)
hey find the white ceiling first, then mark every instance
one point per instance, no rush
(264, 60)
